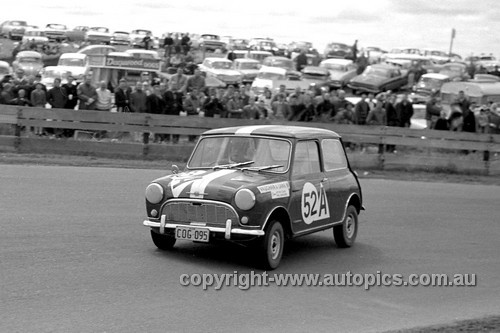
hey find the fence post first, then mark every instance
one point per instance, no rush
(17, 130)
(381, 148)
(145, 137)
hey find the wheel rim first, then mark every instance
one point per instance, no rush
(275, 245)
(350, 226)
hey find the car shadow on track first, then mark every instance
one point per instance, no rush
(313, 253)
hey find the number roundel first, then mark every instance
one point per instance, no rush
(314, 203)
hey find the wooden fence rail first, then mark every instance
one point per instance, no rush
(427, 149)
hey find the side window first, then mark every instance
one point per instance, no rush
(306, 159)
(333, 154)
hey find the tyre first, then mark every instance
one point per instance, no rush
(345, 234)
(272, 244)
(163, 242)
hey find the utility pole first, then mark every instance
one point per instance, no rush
(453, 33)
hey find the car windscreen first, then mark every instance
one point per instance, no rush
(221, 65)
(255, 152)
(71, 62)
(30, 59)
(335, 67)
(249, 65)
(376, 71)
(270, 76)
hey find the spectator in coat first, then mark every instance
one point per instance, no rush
(301, 60)
(138, 99)
(361, 110)
(391, 117)
(57, 98)
(212, 105)
(87, 95)
(377, 117)
(197, 81)
(71, 92)
(252, 110)
(404, 109)
(122, 96)
(432, 112)
(39, 99)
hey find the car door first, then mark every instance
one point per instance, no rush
(308, 204)
(339, 183)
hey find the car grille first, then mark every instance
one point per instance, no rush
(201, 211)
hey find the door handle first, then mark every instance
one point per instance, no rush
(324, 179)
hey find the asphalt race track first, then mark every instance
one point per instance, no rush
(74, 257)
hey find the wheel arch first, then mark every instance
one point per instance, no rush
(280, 214)
(355, 201)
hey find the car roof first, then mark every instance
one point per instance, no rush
(73, 55)
(33, 54)
(315, 69)
(337, 61)
(436, 76)
(472, 89)
(246, 60)
(91, 47)
(283, 131)
(271, 69)
(217, 59)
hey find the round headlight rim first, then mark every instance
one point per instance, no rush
(161, 192)
(252, 197)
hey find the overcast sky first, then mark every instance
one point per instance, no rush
(384, 23)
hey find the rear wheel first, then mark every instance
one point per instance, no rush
(163, 242)
(271, 248)
(345, 234)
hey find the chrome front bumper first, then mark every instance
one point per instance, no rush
(227, 231)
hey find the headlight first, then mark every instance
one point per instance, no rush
(154, 193)
(244, 199)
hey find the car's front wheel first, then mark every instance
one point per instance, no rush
(163, 242)
(345, 234)
(271, 248)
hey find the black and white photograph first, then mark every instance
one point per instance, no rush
(225, 166)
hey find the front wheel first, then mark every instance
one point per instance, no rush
(163, 242)
(271, 249)
(345, 234)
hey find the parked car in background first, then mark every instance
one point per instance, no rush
(249, 68)
(258, 55)
(239, 44)
(317, 76)
(273, 77)
(374, 54)
(341, 71)
(56, 31)
(221, 69)
(136, 37)
(77, 34)
(36, 36)
(98, 35)
(13, 29)
(439, 57)
(50, 73)
(429, 84)
(259, 186)
(265, 44)
(5, 69)
(211, 42)
(120, 38)
(30, 62)
(338, 50)
(143, 54)
(478, 92)
(75, 63)
(456, 71)
(285, 63)
(378, 78)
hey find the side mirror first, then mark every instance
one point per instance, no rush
(175, 169)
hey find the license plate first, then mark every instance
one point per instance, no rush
(192, 234)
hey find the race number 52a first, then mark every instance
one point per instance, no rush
(314, 203)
